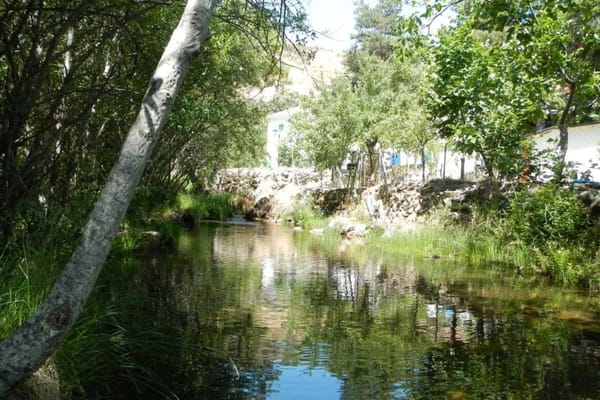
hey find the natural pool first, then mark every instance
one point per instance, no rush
(259, 312)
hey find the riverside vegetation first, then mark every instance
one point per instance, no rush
(546, 231)
(74, 73)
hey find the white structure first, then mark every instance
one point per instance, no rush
(583, 150)
(438, 164)
(304, 77)
(278, 129)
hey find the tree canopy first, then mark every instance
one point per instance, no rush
(73, 76)
(508, 64)
(378, 104)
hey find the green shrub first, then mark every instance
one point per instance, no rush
(545, 217)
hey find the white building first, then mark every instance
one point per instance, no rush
(278, 129)
(583, 150)
(304, 77)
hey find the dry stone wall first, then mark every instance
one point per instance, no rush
(275, 192)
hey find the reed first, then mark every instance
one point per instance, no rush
(206, 206)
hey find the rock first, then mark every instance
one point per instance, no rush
(262, 208)
(43, 385)
(332, 201)
(151, 240)
(285, 200)
(591, 199)
(348, 227)
(276, 192)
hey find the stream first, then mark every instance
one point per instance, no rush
(261, 312)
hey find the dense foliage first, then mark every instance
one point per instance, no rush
(74, 73)
(505, 65)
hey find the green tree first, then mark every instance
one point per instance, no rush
(71, 71)
(549, 52)
(216, 126)
(345, 114)
(327, 127)
(379, 104)
(559, 44)
(376, 27)
(482, 100)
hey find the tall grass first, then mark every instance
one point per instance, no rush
(427, 241)
(305, 216)
(206, 206)
(19, 298)
(27, 275)
(97, 358)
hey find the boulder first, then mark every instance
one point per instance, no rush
(285, 200)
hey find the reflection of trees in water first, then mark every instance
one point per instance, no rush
(382, 329)
(433, 342)
(198, 321)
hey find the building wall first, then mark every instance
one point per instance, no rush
(583, 148)
(278, 129)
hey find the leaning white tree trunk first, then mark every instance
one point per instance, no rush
(25, 351)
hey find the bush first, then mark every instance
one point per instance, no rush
(550, 226)
(545, 217)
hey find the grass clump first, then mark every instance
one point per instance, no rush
(195, 207)
(306, 216)
(431, 241)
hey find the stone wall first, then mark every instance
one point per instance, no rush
(277, 192)
(273, 192)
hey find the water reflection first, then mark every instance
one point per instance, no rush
(258, 312)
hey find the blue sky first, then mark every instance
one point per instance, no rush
(335, 18)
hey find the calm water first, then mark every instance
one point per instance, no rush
(258, 312)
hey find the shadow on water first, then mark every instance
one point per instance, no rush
(255, 312)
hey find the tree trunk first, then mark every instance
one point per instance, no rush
(24, 351)
(372, 154)
(422, 151)
(488, 167)
(563, 145)
(563, 137)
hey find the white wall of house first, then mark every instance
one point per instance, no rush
(454, 162)
(436, 165)
(278, 130)
(583, 150)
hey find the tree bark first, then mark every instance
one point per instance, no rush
(563, 137)
(25, 350)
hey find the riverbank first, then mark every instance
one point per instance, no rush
(542, 230)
